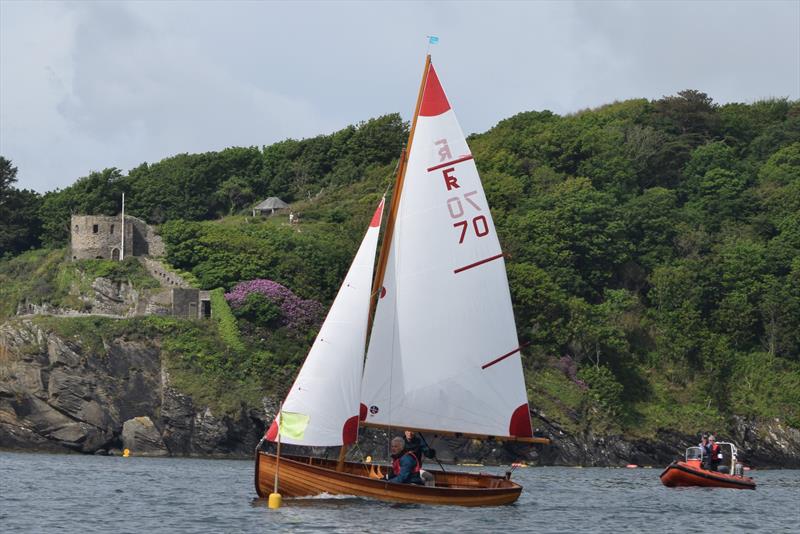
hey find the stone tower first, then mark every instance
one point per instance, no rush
(99, 236)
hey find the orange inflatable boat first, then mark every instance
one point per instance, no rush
(691, 472)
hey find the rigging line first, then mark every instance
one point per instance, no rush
(425, 441)
(394, 173)
(391, 360)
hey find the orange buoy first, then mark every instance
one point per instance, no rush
(631, 466)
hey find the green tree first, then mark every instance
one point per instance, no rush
(8, 176)
(20, 224)
(236, 193)
(100, 193)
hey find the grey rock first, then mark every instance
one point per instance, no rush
(142, 438)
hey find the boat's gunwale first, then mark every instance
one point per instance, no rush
(742, 482)
(432, 491)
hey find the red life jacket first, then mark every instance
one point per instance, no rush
(714, 452)
(396, 464)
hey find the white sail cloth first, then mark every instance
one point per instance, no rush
(327, 388)
(444, 354)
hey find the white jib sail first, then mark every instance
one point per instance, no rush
(327, 387)
(444, 353)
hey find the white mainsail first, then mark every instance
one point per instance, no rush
(325, 393)
(444, 354)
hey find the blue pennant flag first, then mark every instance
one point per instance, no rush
(432, 39)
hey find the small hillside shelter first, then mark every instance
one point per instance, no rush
(269, 206)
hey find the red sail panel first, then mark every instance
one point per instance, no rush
(350, 431)
(272, 432)
(520, 425)
(434, 101)
(376, 217)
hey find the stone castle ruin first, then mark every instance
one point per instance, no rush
(100, 237)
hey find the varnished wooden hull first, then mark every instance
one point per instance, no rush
(301, 476)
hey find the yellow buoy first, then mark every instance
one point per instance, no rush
(274, 500)
(368, 459)
(126, 453)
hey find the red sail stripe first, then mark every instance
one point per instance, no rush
(471, 265)
(448, 163)
(501, 358)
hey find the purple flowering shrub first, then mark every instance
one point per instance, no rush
(295, 313)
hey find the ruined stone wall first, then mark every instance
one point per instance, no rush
(146, 241)
(163, 275)
(185, 303)
(99, 236)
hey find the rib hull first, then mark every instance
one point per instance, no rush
(682, 474)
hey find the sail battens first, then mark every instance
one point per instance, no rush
(477, 263)
(501, 358)
(449, 163)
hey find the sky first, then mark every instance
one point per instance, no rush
(89, 85)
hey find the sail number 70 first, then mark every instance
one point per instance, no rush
(480, 220)
(480, 225)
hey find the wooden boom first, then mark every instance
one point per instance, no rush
(485, 437)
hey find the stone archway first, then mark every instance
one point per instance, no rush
(115, 254)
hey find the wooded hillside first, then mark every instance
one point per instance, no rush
(653, 247)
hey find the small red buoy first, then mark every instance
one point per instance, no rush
(631, 466)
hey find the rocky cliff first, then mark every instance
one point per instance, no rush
(58, 395)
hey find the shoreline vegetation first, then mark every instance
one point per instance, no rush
(652, 250)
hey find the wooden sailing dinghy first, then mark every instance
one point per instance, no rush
(443, 353)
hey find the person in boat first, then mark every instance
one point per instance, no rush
(405, 464)
(414, 443)
(714, 453)
(704, 448)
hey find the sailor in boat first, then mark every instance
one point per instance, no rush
(415, 443)
(405, 465)
(714, 453)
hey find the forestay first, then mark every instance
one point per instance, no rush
(327, 388)
(444, 354)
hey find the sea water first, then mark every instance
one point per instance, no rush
(72, 493)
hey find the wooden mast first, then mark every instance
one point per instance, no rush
(383, 257)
